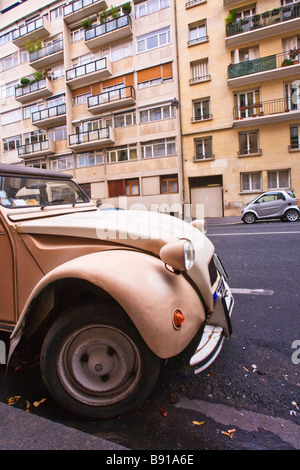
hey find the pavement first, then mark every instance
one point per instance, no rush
(20, 430)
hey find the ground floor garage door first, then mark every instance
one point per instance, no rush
(209, 193)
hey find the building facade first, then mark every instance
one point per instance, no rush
(92, 89)
(167, 102)
(239, 95)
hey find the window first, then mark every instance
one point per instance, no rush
(159, 148)
(197, 33)
(58, 133)
(132, 187)
(199, 71)
(89, 159)
(57, 72)
(157, 114)
(150, 6)
(11, 116)
(251, 181)
(81, 99)
(248, 143)
(28, 110)
(57, 13)
(124, 119)
(11, 143)
(294, 137)
(62, 163)
(201, 109)
(34, 136)
(169, 184)
(77, 35)
(9, 89)
(245, 104)
(243, 55)
(292, 95)
(153, 40)
(9, 62)
(41, 163)
(118, 52)
(203, 149)
(129, 187)
(121, 154)
(278, 179)
(154, 75)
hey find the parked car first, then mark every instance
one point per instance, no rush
(103, 297)
(272, 205)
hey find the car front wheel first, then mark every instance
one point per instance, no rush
(249, 218)
(95, 363)
(292, 215)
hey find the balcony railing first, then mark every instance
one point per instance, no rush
(80, 9)
(91, 67)
(263, 64)
(95, 35)
(268, 18)
(102, 136)
(45, 147)
(112, 98)
(49, 113)
(38, 89)
(36, 29)
(265, 108)
(46, 51)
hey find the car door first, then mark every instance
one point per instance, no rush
(270, 205)
(7, 281)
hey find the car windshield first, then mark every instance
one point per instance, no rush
(18, 191)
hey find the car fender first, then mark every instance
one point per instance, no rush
(291, 207)
(147, 291)
(252, 211)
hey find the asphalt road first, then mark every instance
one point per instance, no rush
(249, 398)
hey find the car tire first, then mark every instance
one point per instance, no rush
(291, 215)
(249, 218)
(95, 363)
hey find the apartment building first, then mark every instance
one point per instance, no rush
(91, 88)
(239, 100)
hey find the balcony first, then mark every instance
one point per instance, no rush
(266, 112)
(34, 91)
(88, 73)
(78, 10)
(47, 55)
(111, 100)
(94, 139)
(110, 31)
(266, 68)
(37, 29)
(49, 116)
(270, 23)
(37, 149)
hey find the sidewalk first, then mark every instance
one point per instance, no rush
(213, 221)
(25, 431)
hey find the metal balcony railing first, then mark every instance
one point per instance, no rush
(77, 5)
(35, 147)
(28, 28)
(267, 18)
(38, 85)
(47, 113)
(85, 69)
(111, 96)
(107, 27)
(46, 51)
(265, 108)
(263, 64)
(89, 136)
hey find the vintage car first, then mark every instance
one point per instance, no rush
(103, 297)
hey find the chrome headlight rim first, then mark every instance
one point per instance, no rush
(189, 254)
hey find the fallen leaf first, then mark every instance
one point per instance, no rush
(28, 406)
(163, 412)
(199, 423)
(38, 403)
(13, 400)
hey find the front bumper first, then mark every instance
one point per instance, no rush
(214, 334)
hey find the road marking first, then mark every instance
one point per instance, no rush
(246, 420)
(252, 291)
(249, 233)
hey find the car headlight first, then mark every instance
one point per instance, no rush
(179, 255)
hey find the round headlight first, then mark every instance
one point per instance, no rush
(179, 255)
(189, 254)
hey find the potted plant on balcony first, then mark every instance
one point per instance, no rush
(231, 18)
(87, 24)
(103, 15)
(32, 46)
(286, 62)
(126, 8)
(294, 55)
(23, 83)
